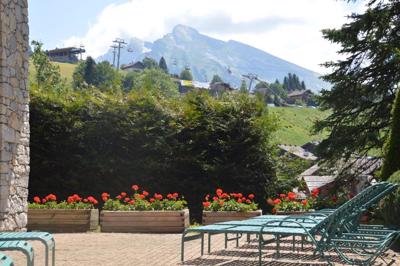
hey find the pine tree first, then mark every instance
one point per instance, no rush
(364, 82)
(391, 163)
(186, 74)
(89, 70)
(303, 85)
(243, 87)
(216, 79)
(163, 65)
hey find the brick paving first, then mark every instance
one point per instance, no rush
(98, 249)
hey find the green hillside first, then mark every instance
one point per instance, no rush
(66, 70)
(295, 124)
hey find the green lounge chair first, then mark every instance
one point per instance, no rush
(309, 227)
(46, 238)
(22, 246)
(5, 260)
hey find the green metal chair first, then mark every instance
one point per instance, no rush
(46, 238)
(22, 246)
(5, 260)
(327, 226)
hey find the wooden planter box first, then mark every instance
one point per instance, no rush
(62, 221)
(210, 217)
(144, 221)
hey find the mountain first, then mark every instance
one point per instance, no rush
(206, 56)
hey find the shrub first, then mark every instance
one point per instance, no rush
(392, 163)
(73, 202)
(136, 201)
(390, 206)
(223, 201)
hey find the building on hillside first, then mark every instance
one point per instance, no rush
(136, 67)
(218, 88)
(362, 168)
(65, 55)
(297, 151)
(296, 96)
(189, 85)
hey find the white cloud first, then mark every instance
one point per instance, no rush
(289, 29)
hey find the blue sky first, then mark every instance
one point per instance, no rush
(290, 29)
(52, 21)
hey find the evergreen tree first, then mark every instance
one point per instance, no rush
(216, 79)
(303, 85)
(391, 163)
(149, 62)
(186, 74)
(243, 86)
(163, 65)
(364, 82)
(89, 70)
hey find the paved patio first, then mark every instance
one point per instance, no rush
(164, 249)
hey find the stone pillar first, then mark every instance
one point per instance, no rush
(14, 114)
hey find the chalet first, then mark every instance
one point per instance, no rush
(217, 88)
(362, 168)
(136, 67)
(297, 151)
(65, 55)
(302, 95)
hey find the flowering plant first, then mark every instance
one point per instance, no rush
(291, 202)
(72, 202)
(332, 200)
(229, 202)
(136, 201)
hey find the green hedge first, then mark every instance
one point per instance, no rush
(89, 142)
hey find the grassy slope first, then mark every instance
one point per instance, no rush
(295, 124)
(66, 70)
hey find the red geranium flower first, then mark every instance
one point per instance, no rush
(85, 200)
(141, 196)
(169, 196)
(135, 187)
(315, 192)
(123, 194)
(152, 200)
(277, 201)
(43, 201)
(207, 197)
(239, 200)
(131, 202)
(224, 195)
(145, 193)
(282, 196)
(158, 196)
(219, 192)
(51, 197)
(239, 195)
(175, 195)
(127, 199)
(119, 197)
(292, 195)
(36, 199)
(221, 202)
(206, 204)
(70, 199)
(304, 202)
(215, 198)
(251, 196)
(248, 201)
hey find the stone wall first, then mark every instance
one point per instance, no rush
(14, 114)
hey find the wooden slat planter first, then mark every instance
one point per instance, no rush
(63, 221)
(144, 221)
(210, 217)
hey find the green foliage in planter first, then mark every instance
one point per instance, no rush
(229, 202)
(142, 202)
(73, 202)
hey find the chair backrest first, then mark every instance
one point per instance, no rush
(334, 223)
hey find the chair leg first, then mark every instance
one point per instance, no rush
(54, 253)
(202, 244)
(209, 243)
(226, 240)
